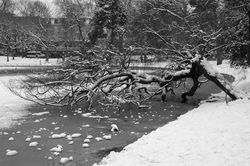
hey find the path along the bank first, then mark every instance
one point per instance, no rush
(132, 124)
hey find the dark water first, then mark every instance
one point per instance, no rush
(133, 123)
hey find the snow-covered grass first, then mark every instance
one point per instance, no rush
(151, 64)
(214, 134)
(18, 61)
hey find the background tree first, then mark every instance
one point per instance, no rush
(16, 37)
(77, 14)
(109, 16)
(207, 15)
(235, 17)
(34, 9)
(7, 6)
(19, 34)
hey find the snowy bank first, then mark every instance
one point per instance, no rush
(18, 61)
(214, 134)
(12, 107)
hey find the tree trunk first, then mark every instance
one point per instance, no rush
(219, 57)
(47, 55)
(248, 47)
(121, 40)
(112, 37)
(220, 85)
(192, 91)
(14, 54)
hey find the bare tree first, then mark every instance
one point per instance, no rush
(34, 9)
(19, 34)
(7, 6)
(75, 11)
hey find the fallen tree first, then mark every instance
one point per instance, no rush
(105, 72)
(68, 86)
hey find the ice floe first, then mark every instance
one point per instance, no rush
(28, 139)
(89, 137)
(40, 113)
(86, 140)
(11, 139)
(58, 148)
(36, 136)
(33, 144)
(75, 135)
(11, 152)
(107, 137)
(57, 136)
(65, 160)
(98, 139)
(85, 145)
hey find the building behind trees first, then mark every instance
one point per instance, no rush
(51, 34)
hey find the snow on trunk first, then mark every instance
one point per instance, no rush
(213, 75)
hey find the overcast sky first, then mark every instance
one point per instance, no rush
(48, 2)
(51, 6)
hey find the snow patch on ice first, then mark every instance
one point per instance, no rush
(65, 160)
(58, 148)
(76, 135)
(11, 139)
(89, 136)
(33, 144)
(85, 145)
(58, 136)
(98, 139)
(11, 152)
(28, 139)
(107, 137)
(86, 140)
(40, 113)
(36, 136)
(12, 106)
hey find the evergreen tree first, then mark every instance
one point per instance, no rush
(157, 16)
(237, 21)
(109, 16)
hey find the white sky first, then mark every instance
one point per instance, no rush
(48, 2)
(51, 5)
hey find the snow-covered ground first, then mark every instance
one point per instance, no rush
(12, 107)
(18, 61)
(214, 134)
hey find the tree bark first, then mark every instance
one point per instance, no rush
(112, 36)
(47, 55)
(220, 85)
(248, 47)
(219, 57)
(192, 90)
